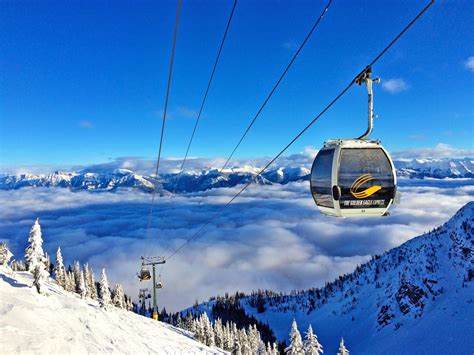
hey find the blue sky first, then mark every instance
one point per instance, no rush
(85, 82)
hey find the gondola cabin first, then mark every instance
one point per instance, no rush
(353, 177)
(144, 274)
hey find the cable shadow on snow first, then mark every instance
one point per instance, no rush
(13, 282)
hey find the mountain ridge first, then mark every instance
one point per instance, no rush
(205, 179)
(403, 301)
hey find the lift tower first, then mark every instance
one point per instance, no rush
(152, 261)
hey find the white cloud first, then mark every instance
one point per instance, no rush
(186, 112)
(272, 237)
(417, 136)
(290, 45)
(441, 150)
(394, 86)
(86, 124)
(469, 63)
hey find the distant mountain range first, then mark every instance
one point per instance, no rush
(414, 299)
(193, 181)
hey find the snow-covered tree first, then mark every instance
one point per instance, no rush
(311, 344)
(39, 277)
(199, 330)
(34, 253)
(82, 285)
(244, 342)
(119, 297)
(77, 276)
(261, 349)
(274, 349)
(90, 283)
(179, 321)
(236, 348)
(189, 323)
(60, 270)
(104, 292)
(342, 348)
(85, 271)
(5, 254)
(70, 282)
(47, 262)
(208, 331)
(18, 265)
(219, 333)
(253, 338)
(296, 343)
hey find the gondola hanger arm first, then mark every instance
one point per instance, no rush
(366, 77)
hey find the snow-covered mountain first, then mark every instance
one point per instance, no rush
(62, 323)
(414, 299)
(436, 168)
(194, 181)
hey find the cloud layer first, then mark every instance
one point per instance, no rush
(394, 86)
(273, 237)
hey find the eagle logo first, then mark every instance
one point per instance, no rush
(359, 182)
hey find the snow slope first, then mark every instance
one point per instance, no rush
(62, 323)
(414, 299)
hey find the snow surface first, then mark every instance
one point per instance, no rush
(62, 323)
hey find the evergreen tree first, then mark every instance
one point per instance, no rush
(34, 253)
(60, 270)
(261, 349)
(228, 338)
(47, 263)
(219, 333)
(296, 344)
(90, 283)
(119, 297)
(275, 349)
(5, 254)
(77, 277)
(236, 348)
(179, 321)
(104, 292)
(199, 331)
(253, 338)
(40, 275)
(311, 344)
(208, 331)
(189, 323)
(342, 348)
(244, 342)
(70, 283)
(85, 271)
(82, 285)
(18, 265)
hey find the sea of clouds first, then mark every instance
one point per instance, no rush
(271, 237)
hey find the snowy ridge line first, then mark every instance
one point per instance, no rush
(195, 181)
(400, 302)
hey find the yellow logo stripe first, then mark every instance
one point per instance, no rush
(359, 182)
